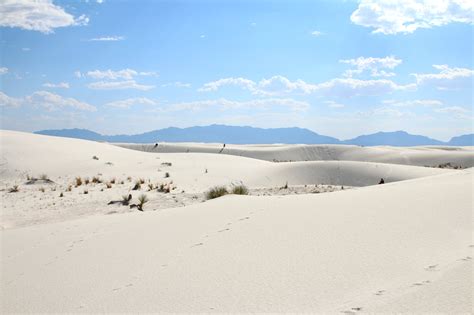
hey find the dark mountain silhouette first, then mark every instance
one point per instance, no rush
(252, 135)
(396, 138)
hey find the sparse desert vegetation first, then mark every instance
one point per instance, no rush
(216, 192)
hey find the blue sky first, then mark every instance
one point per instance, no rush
(340, 68)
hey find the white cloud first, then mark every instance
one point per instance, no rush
(127, 74)
(276, 85)
(333, 104)
(452, 110)
(127, 103)
(371, 64)
(406, 16)
(224, 104)
(26, 49)
(78, 74)
(3, 70)
(316, 33)
(447, 78)
(119, 85)
(100, 1)
(177, 84)
(37, 15)
(202, 36)
(425, 102)
(8, 101)
(47, 100)
(61, 85)
(107, 39)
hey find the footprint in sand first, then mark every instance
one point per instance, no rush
(246, 218)
(198, 244)
(431, 268)
(380, 292)
(223, 230)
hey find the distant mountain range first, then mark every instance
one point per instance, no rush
(251, 135)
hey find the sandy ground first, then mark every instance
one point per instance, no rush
(405, 246)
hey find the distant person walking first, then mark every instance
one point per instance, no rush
(381, 181)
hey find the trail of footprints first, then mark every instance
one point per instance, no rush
(430, 268)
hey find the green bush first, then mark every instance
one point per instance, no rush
(216, 192)
(240, 190)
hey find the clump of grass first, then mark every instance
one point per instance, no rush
(86, 191)
(42, 189)
(167, 175)
(142, 199)
(122, 182)
(216, 192)
(112, 181)
(137, 185)
(151, 186)
(166, 163)
(205, 171)
(240, 190)
(165, 188)
(78, 181)
(61, 195)
(142, 181)
(86, 181)
(14, 189)
(286, 186)
(96, 180)
(69, 188)
(95, 157)
(108, 185)
(126, 199)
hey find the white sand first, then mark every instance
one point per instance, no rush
(405, 246)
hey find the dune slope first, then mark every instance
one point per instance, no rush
(346, 251)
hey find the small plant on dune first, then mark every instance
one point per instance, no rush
(96, 180)
(216, 192)
(286, 186)
(205, 171)
(86, 181)
(112, 181)
(142, 199)
(240, 190)
(129, 178)
(108, 185)
(126, 199)
(151, 186)
(69, 188)
(86, 191)
(42, 189)
(61, 195)
(78, 181)
(137, 185)
(122, 182)
(95, 157)
(166, 163)
(44, 177)
(14, 189)
(142, 181)
(167, 175)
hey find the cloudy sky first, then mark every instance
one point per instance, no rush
(340, 68)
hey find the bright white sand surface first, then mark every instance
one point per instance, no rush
(405, 246)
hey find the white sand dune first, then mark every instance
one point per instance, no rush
(405, 246)
(370, 248)
(420, 156)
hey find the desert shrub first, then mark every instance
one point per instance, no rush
(112, 181)
(240, 190)
(86, 181)
(167, 175)
(151, 186)
(286, 186)
(142, 181)
(108, 185)
(122, 182)
(96, 180)
(14, 189)
(126, 199)
(142, 199)
(95, 157)
(78, 181)
(216, 192)
(137, 185)
(61, 195)
(86, 191)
